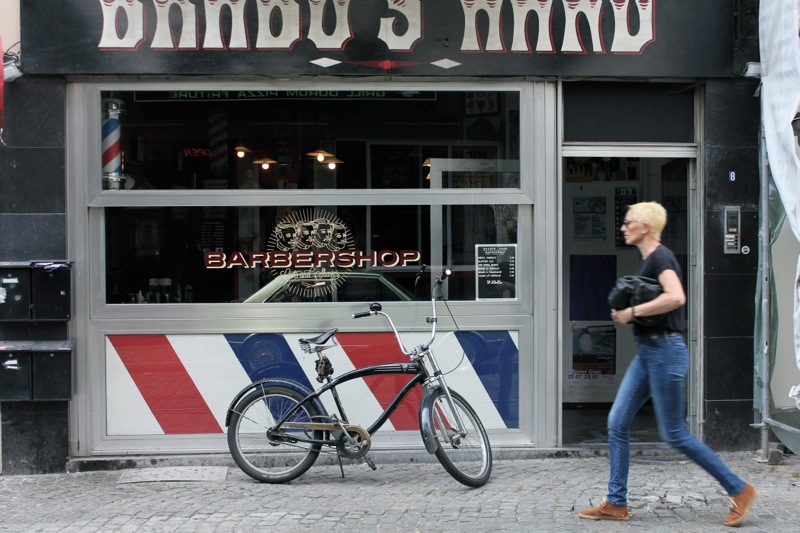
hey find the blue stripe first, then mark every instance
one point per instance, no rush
(495, 359)
(266, 355)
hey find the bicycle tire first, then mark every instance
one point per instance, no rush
(264, 459)
(467, 458)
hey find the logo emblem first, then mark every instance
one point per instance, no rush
(312, 231)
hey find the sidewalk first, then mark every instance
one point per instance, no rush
(541, 495)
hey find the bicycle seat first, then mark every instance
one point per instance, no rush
(321, 338)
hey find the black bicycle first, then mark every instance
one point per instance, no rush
(277, 427)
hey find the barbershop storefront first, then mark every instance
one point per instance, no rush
(242, 174)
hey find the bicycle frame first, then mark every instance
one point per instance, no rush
(415, 368)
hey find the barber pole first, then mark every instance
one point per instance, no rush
(111, 146)
(218, 142)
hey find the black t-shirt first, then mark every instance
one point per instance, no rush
(657, 262)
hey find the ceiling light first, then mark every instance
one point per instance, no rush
(265, 162)
(331, 162)
(320, 155)
(241, 151)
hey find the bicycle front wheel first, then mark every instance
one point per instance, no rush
(275, 457)
(465, 454)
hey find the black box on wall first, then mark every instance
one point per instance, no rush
(50, 292)
(15, 292)
(37, 290)
(35, 370)
(15, 376)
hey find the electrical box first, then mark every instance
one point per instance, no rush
(732, 224)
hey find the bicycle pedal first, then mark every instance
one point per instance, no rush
(370, 462)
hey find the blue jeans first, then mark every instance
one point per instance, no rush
(658, 371)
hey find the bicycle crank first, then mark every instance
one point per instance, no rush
(353, 444)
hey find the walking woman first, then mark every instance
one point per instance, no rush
(658, 372)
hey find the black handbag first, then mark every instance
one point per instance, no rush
(629, 291)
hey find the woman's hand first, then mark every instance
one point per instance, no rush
(623, 316)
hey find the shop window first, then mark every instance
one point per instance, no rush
(216, 254)
(275, 144)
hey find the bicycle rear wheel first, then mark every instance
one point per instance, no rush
(467, 457)
(285, 455)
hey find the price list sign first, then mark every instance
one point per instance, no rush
(496, 271)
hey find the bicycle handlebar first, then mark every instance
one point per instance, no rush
(443, 276)
(375, 308)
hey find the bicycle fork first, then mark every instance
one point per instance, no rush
(438, 420)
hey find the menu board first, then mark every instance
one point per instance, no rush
(496, 271)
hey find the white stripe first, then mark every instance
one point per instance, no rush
(214, 369)
(126, 411)
(461, 377)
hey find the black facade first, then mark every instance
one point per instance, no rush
(33, 203)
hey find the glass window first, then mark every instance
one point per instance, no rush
(218, 254)
(275, 144)
(302, 139)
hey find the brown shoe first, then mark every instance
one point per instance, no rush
(606, 511)
(740, 505)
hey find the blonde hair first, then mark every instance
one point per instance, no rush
(651, 213)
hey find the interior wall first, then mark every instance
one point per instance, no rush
(581, 242)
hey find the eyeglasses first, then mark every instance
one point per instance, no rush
(627, 223)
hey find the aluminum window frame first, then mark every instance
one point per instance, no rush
(94, 319)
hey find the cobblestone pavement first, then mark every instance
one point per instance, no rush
(541, 495)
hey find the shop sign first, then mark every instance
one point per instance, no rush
(314, 250)
(367, 37)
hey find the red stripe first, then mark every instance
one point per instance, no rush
(365, 349)
(165, 384)
(112, 152)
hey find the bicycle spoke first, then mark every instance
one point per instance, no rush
(272, 459)
(464, 452)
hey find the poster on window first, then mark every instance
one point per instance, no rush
(589, 218)
(594, 358)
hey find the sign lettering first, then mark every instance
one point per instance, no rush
(279, 25)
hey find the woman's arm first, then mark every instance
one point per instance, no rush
(672, 298)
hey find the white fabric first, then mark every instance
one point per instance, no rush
(794, 392)
(779, 25)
